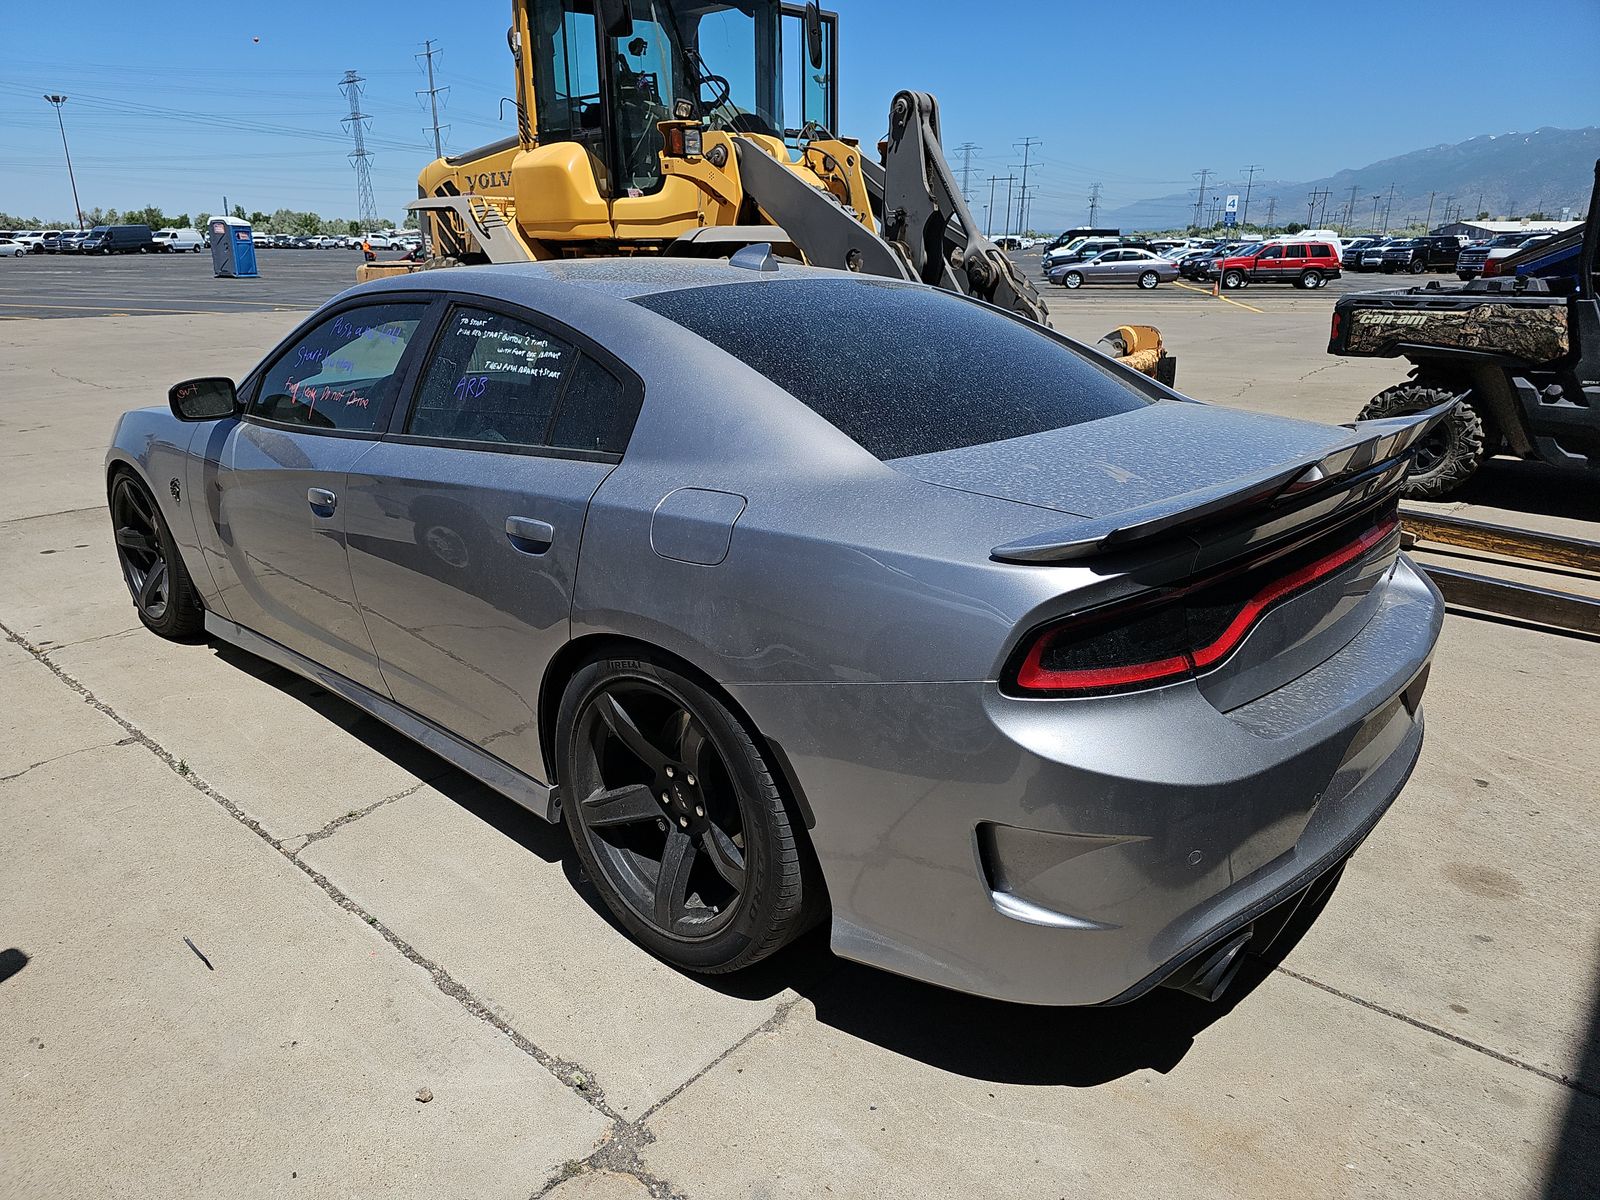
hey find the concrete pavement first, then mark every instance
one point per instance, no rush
(376, 924)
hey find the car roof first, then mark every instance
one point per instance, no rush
(620, 278)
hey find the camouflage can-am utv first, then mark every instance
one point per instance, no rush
(1523, 354)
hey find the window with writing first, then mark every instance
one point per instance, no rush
(343, 375)
(493, 378)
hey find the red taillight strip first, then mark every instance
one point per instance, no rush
(1033, 676)
(1295, 581)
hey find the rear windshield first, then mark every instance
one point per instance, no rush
(902, 370)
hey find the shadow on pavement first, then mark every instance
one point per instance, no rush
(968, 1035)
(1532, 487)
(1574, 1164)
(12, 960)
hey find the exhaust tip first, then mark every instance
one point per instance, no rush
(1209, 976)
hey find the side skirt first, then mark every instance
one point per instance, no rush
(538, 798)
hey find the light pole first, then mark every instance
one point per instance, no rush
(57, 102)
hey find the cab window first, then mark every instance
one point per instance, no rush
(343, 374)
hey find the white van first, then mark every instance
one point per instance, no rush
(175, 241)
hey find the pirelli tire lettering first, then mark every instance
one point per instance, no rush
(1535, 333)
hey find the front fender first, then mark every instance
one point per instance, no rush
(154, 446)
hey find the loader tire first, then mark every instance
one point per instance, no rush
(1447, 457)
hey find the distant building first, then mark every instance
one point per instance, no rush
(1489, 229)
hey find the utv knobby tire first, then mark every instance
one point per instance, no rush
(1451, 454)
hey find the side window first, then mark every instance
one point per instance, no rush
(492, 378)
(597, 412)
(1298, 250)
(342, 375)
(1272, 252)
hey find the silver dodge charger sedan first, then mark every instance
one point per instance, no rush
(804, 596)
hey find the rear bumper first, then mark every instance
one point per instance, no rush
(1080, 852)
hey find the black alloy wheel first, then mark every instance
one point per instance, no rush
(162, 592)
(676, 817)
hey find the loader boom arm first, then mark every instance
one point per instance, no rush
(927, 231)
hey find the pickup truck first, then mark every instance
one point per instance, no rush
(1417, 255)
(1472, 259)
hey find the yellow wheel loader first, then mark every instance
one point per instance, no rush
(658, 127)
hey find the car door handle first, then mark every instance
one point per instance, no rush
(530, 536)
(322, 501)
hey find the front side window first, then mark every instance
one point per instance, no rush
(1272, 252)
(343, 374)
(900, 369)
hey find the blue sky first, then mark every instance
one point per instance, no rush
(179, 112)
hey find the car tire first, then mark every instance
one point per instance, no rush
(1451, 454)
(1233, 279)
(1072, 279)
(1148, 280)
(163, 594)
(1310, 279)
(708, 809)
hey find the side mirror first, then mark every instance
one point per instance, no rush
(813, 21)
(616, 18)
(202, 399)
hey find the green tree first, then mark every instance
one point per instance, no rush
(1293, 227)
(411, 221)
(202, 221)
(238, 212)
(1483, 216)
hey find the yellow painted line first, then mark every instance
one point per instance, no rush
(1188, 287)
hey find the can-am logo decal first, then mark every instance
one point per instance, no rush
(1393, 318)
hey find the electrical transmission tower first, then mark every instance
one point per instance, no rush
(1272, 209)
(1316, 197)
(1249, 182)
(432, 93)
(367, 207)
(988, 211)
(1200, 201)
(967, 150)
(1026, 145)
(1094, 203)
(1349, 210)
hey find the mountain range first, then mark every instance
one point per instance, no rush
(1507, 174)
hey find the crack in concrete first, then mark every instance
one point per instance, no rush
(619, 1151)
(338, 823)
(573, 1076)
(1566, 1081)
(60, 512)
(43, 762)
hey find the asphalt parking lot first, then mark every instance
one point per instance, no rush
(369, 927)
(77, 285)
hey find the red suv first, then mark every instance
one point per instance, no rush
(1304, 264)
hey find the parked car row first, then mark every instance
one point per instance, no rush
(138, 239)
(104, 239)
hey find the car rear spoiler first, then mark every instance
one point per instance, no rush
(1375, 454)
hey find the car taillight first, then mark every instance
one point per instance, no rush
(1492, 267)
(1183, 632)
(1333, 331)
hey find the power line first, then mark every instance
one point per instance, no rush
(367, 207)
(432, 93)
(988, 212)
(1315, 197)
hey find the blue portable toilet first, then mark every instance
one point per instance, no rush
(233, 248)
